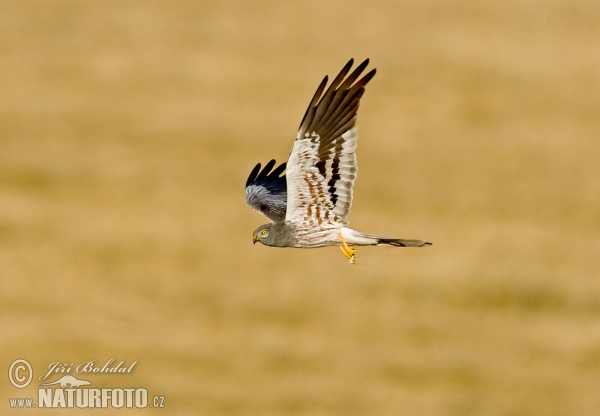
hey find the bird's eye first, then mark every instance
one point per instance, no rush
(264, 232)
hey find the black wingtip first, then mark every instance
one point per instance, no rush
(365, 80)
(267, 174)
(278, 170)
(362, 66)
(253, 174)
(263, 174)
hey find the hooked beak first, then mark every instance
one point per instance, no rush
(254, 238)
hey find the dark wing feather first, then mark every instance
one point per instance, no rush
(322, 168)
(266, 191)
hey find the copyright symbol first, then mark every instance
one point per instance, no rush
(14, 373)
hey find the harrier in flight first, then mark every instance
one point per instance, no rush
(310, 204)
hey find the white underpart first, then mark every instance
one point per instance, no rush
(353, 237)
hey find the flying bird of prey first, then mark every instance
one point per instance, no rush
(310, 204)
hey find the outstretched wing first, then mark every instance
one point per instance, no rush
(266, 192)
(322, 165)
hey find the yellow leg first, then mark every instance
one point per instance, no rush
(348, 251)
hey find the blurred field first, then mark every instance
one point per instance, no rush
(127, 130)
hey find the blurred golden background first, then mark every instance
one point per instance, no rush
(128, 130)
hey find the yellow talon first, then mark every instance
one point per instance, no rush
(348, 251)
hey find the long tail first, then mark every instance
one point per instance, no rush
(398, 242)
(363, 239)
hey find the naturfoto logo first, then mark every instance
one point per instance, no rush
(69, 391)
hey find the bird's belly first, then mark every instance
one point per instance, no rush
(315, 239)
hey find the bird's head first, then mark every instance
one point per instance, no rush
(264, 234)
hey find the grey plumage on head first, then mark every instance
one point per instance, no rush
(278, 234)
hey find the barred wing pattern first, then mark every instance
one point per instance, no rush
(321, 168)
(266, 191)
